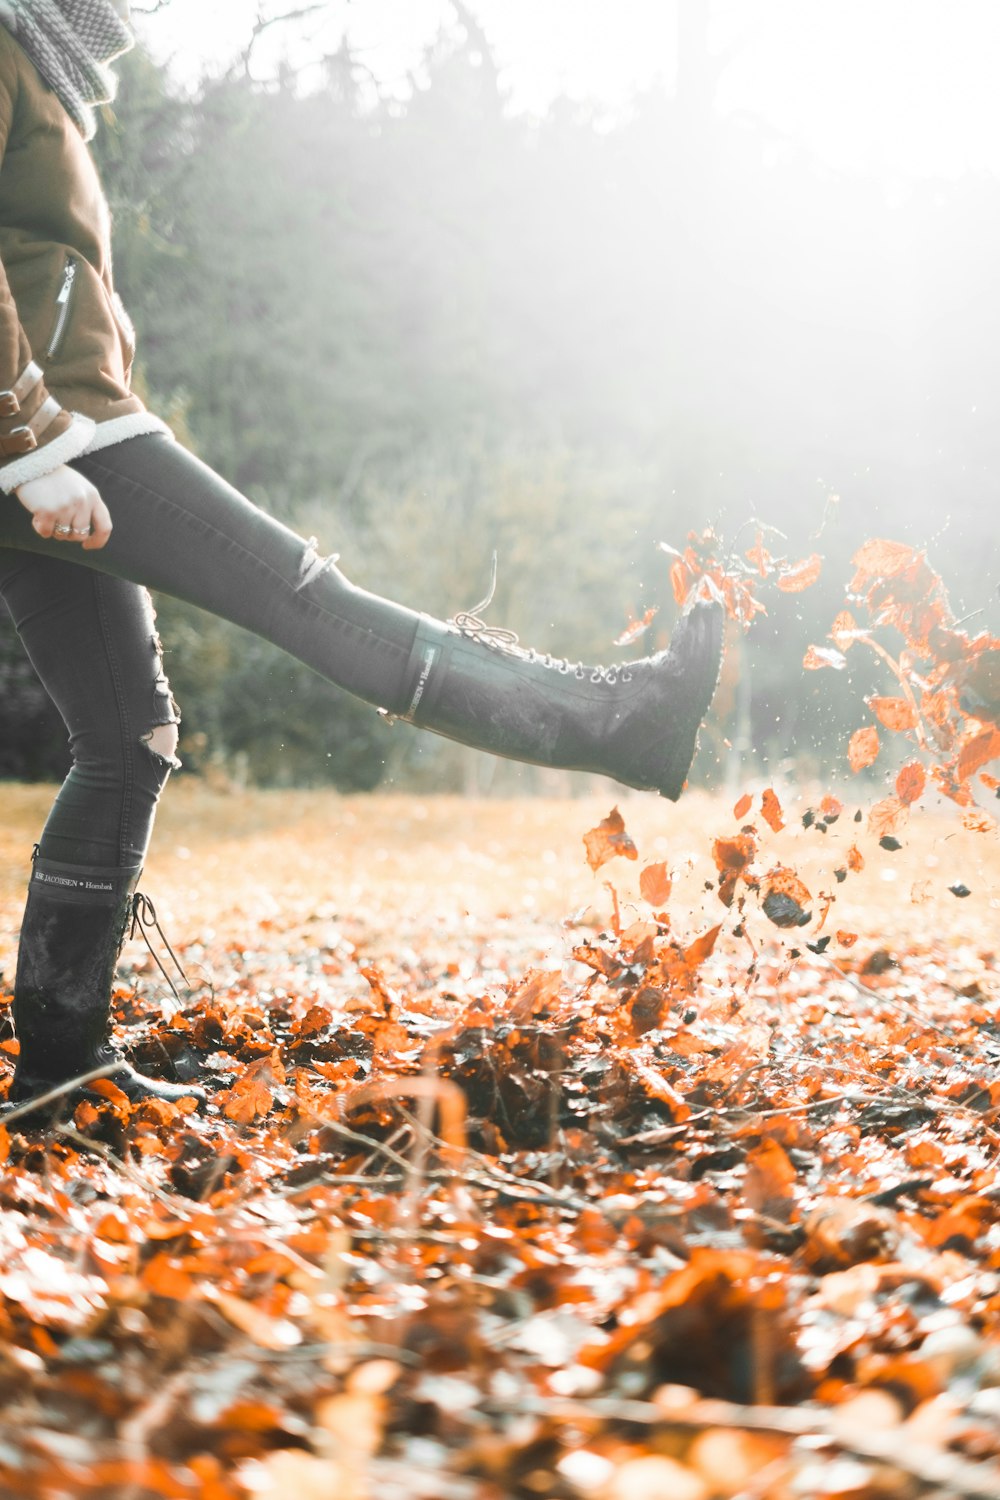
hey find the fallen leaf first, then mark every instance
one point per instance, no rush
(609, 841)
(887, 817)
(910, 782)
(263, 1330)
(770, 1178)
(702, 947)
(844, 630)
(977, 752)
(801, 575)
(655, 884)
(863, 748)
(770, 809)
(758, 556)
(895, 713)
(785, 897)
(637, 628)
(817, 657)
(841, 1231)
(879, 558)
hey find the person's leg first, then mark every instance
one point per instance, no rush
(181, 529)
(92, 641)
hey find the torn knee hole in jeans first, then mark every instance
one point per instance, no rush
(312, 565)
(161, 742)
(164, 732)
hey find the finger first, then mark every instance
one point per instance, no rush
(62, 524)
(44, 522)
(80, 523)
(100, 525)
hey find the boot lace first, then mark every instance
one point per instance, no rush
(471, 624)
(144, 920)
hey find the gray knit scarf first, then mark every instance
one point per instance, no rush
(71, 43)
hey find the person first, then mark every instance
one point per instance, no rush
(99, 504)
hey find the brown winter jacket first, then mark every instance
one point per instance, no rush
(66, 343)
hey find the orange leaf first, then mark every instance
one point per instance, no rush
(855, 859)
(742, 807)
(247, 1102)
(166, 1276)
(801, 575)
(847, 939)
(887, 817)
(770, 809)
(598, 960)
(823, 656)
(831, 808)
(978, 822)
(910, 782)
(731, 858)
(894, 713)
(863, 748)
(680, 582)
(948, 786)
(759, 556)
(659, 1087)
(770, 1178)
(977, 752)
(733, 855)
(654, 885)
(701, 948)
(785, 898)
(635, 628)
(250, 1097)
(880, 559)
(844, 630)
(265, 1331)
(608, 840)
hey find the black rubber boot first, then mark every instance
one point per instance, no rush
(637, 723)
(75, 923)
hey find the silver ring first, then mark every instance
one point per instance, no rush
(62, 530)
(79, 531)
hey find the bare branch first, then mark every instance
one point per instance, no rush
(264, 23)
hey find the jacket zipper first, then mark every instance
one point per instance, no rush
(63, 302)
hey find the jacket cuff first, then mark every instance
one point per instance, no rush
(50, 456)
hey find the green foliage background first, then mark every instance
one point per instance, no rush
(426, 330)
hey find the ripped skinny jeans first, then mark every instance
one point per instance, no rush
(87, 624)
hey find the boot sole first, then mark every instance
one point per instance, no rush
(708, 620)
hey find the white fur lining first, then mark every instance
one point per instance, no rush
(41, 461)
(120, 429)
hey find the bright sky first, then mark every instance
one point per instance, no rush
(908, 85)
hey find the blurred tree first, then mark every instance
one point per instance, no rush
(425, 329)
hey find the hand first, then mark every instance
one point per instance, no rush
(65, 499)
